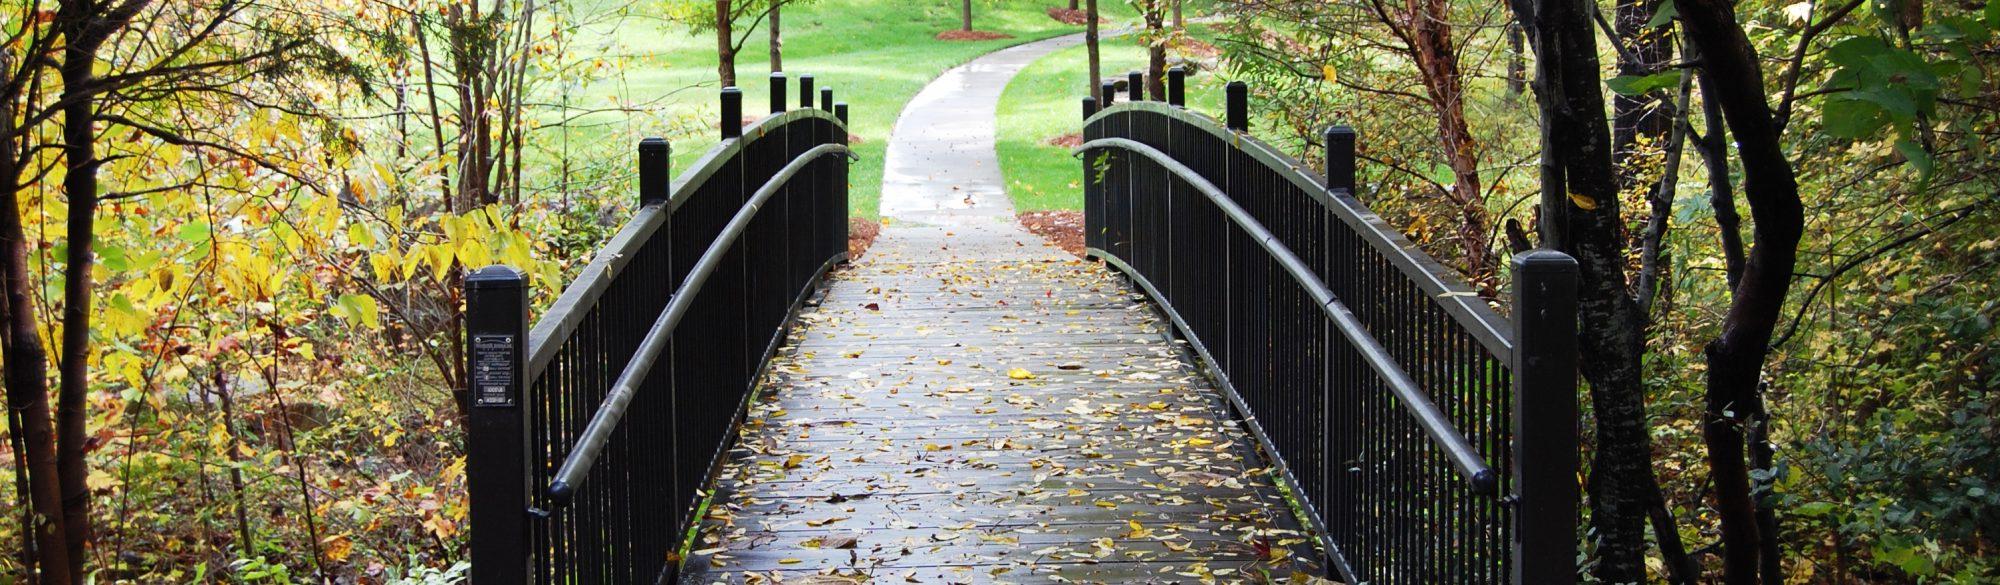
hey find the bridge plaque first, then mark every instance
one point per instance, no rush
(493, 371)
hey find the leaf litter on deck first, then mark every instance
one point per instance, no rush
(992, 422)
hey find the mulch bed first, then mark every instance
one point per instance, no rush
(861, 234)
(1196, 49)
(1071, 140)
(971, 35)
(1076, 17)
(1062, 228)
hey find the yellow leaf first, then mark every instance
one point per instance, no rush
(338, 547)
(1020, 374)
(1328, 73)
(1583, 201)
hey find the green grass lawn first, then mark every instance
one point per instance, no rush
(876, 54)
(1044, 102)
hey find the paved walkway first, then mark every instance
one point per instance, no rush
(969, 405)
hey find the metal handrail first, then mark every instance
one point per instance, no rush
(1453, 295)
(1484, 479)
(566, 314)
(576, 467)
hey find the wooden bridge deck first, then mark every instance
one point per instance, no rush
(937, 419)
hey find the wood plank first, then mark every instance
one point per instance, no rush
(993, 421)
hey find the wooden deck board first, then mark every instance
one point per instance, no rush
(992, 422)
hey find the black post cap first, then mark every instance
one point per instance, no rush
(1135, 86)
(732, 112)
(777, 92)
(840, 111)
(497, 276)
(1340, 164)
(656, 160)
(1089, 107)
(1177, 87)
(826, 98)
(1108, 94)
(1237, 95)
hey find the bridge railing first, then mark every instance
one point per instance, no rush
(665, 331)
(1430, 439)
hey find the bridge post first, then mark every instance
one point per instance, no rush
(1135, 87)
(1110, 92)
(1177, 86)
(1089, 107)
(1339, 141)
(806, 91)
(496, 438)
(732, 112)
(1545, 493)
(826, 98)
(656, 166)
(840, 111)
(778, 92)
(1237, 98)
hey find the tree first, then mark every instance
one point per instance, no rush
(725, 44)
(723, 19)
(1419, 39)
(777, 43)
(1156, 37)
(1580, 215)
(1736, 355)
(1090, 46)
(95, 92)
(965, 15)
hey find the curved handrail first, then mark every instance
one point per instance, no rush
(1457, 299)
(1484, 479)
(577, 465)
(566, 314)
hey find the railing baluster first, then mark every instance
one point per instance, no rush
(617, 507)
(1397, 415)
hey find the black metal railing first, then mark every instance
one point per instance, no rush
(665, 331)
(1429, 439)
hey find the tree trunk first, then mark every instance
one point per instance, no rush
(1517, 60)
(1072, 4)
(1437, 63)
(1156, 49)
(725, 51)
(26, 372)
(965, 15)
(1641, 117)
(777, 44)
(1736, 356)
(79, 182)
(1180, 22)
(1580, 215)
(1090, 46)
(1713, 146)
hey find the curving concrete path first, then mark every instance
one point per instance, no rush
(942, 190)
